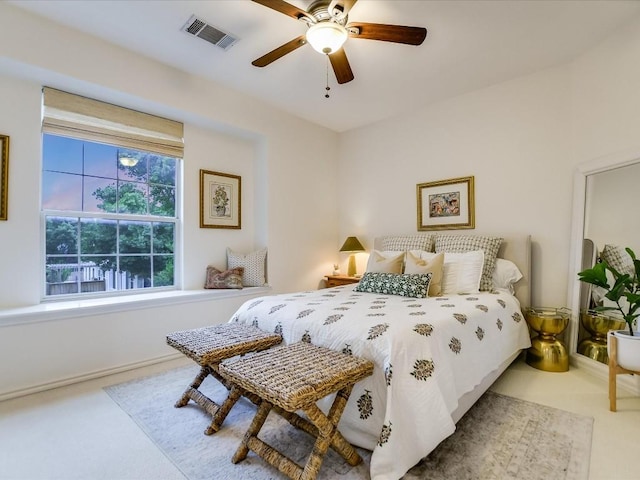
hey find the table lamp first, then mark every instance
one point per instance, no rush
(352, 245)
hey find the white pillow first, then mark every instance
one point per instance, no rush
(462, 272)
(419, 261)
(385, 262)
(506, 274)
(254, 265)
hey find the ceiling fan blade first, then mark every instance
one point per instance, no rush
(340, 8)
(286, 8)
(387, 33)
(341, 66)
(281, 51)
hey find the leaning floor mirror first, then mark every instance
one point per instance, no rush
(606, 194)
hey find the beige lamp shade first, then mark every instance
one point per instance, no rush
(352, 244)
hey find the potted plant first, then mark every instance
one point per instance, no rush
(625, 295)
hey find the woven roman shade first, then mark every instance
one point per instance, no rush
(81, 117)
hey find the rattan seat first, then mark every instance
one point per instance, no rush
(290, 378)
(208, 346)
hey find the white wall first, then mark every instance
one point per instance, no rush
(512, 137)
(283, 209)
(521, 139)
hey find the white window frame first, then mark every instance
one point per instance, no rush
(85, 119)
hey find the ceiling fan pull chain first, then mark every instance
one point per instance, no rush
(327, 88)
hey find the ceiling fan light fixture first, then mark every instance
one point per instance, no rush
(327, 37)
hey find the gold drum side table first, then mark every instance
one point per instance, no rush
(547, 352)
(598, 325)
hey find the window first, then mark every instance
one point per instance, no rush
(109, 214)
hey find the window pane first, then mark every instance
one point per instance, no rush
(61, 191)
(135, 237)
(132, 198)
(62, 154)
(133, 165)
(137, 272)
(98, 236)
(61, 275)
(162, 200)
(98, 273)
(162, 271)
(61, 235)
(163, 237)
(100, 160)
(162, 170)
(100, 195)
(61, 269)
(99, 250)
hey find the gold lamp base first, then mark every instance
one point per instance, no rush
(351, 268)
(546, 352)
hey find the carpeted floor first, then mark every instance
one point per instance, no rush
(499, 438)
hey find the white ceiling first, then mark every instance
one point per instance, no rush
(470, 44)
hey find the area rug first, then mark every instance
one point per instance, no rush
(499, 438)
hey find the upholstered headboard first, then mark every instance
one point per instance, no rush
(516, 248)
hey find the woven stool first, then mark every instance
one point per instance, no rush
(208, 346)
(290, 378)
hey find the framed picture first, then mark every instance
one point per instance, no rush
(220, 195)
(446, 204)
(4, 176)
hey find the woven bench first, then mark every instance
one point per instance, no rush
(290, 378)
(208, 346)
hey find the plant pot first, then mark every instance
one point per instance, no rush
(628, 349)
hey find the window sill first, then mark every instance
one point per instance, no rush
(98, 306)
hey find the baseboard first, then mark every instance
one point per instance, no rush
(629, 383)
(87, 376)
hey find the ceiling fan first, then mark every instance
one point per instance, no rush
(328, 30)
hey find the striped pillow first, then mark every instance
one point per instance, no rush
(469, 243)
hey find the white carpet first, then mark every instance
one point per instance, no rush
(500, 438)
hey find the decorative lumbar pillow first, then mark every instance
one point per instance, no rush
(469, 243)
(228, 279)
(418, 261)
(408, 242)
(506, 274)
(462, 272)
(618, 258)
(254, 265)
(407, 285)
(385, 262)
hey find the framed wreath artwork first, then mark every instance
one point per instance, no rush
(220, 200)
(446, 204)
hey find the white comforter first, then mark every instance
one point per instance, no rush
(427, 354)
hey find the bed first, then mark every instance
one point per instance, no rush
(434, 356)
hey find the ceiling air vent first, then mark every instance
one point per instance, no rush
(211, 34)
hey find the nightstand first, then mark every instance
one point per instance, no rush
(337, 280)
(546, 352)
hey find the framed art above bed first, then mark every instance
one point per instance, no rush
(446, 204)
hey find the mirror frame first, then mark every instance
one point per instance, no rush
(597, 165)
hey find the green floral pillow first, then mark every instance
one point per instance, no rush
(406, 284)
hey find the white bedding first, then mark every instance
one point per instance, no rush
(427, 354)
